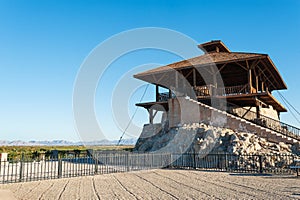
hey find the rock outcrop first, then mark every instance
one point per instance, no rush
(202, 138)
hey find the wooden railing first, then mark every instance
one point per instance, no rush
(205, 90)
(270, 123)
(232, 90)
(210, 90)
(165, 96)
(264, 121)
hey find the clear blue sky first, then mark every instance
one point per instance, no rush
(43, 43)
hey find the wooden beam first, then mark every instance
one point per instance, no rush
(256, 79)
(157, 93)
(254, 72)
(246, 112)
(155, 112)
(158, 81)
(215, 84)
(271, 82)
(188, 74)
(176, 79)
(250, 80)
(150, 115)
(261, 71)
(154, 78)
(245, 68)
(204, 69)
(258, 112)
(223, 66)
(194, 77)
(255, 63)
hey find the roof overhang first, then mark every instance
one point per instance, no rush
(207, 60)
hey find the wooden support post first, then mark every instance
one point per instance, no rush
(262, 86)
(176, 80)
(249, 109)
(258, 104)
(257, 86)
(156, 111)
(250, 80)
(184, 86)
(215, 84)
(194, 77)
(150, 115)
(157, 93)
(257, 111)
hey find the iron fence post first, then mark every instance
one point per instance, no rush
(194, 160)
(260, 164)
(59, 168)
(21, 168)
(226, 162)
(96, 163)
(128, 161)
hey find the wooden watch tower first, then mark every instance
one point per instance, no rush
(245, 80)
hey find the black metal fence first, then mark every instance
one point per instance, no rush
(27, 169)
(276, 163)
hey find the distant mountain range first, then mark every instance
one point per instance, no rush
(130, 141)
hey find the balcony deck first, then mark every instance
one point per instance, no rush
(238, 95)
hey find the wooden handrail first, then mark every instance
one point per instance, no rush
(207, 90)
(271, 123)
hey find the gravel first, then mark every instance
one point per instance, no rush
(159, 184)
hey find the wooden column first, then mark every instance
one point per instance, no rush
(150, 115)
(194, 77)
(257, 111)
(176, 79)
(257, 86)
(250, 80)
(184, 86)
(262, 86)
(170, 94)
(257, 104)
(215, 84)
(157, 93)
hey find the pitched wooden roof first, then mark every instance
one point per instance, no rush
(214, 58)
(206, 59)
(213, 46)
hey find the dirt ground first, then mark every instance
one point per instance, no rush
(159, 184)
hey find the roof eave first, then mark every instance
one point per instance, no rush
(281, 79)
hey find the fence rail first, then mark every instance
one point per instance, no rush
(236, 163)
(103, 163)
(99, 163)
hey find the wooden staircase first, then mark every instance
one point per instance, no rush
(241, 124)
